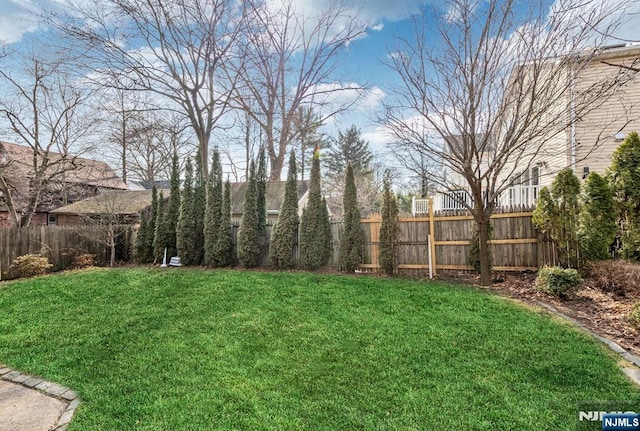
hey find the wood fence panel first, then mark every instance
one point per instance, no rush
(59, 244)
(516, 245)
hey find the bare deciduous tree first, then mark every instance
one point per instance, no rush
(124, 112)
(290, 62)
(42, 107)
(106, 221)
(172, 48)
(496, 86)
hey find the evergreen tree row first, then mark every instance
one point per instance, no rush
(195, 222)
(598, 219)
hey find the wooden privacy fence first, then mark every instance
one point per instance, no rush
(516, 245)
(442, 239)
(60, 244)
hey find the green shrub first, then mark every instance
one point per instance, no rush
(557, 281)
(30, 265)
(620, 277)
(633, 318)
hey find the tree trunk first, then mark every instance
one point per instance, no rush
(485, 254)
(112, 259)
(111, 240)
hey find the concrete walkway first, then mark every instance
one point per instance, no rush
(29, 403)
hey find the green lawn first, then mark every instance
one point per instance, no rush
(200, 350)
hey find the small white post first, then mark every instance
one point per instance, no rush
(164, 260)
(429, 256)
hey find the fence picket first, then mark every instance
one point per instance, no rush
(516, 244)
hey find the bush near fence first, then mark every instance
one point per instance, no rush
(60, 244)
(516, 245)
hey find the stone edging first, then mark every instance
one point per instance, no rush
(632, 372)
(47, 388)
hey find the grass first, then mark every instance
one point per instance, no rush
(191, 349)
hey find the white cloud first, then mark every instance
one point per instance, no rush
(18, 17)
(372, 99)
(379, 137)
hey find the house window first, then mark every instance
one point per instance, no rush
(52, 219)
(585, 172)
(535, 176)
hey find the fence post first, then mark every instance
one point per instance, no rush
(432, 231)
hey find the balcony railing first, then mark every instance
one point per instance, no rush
(523, 196)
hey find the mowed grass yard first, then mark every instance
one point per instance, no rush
(191, 349)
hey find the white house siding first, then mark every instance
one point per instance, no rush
(596, 132)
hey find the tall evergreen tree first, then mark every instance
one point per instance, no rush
(158, 234)
(186, 232)
(285, 232)
(213, 212)
(261, 204)
(306, 123)
(167, 232)
(152, 220)
(598, 225)
(557, 212)
(352, 244)
(140, 251)
(315, 241)
(389, 228)
(199, 204)
(249, 248)
(349, 149)
(224, 246)
(624, 177)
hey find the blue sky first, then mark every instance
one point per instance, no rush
(362, 64)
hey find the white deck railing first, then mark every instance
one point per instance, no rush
(524, 196)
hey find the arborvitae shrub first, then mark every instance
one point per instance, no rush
(223, 252)
(261, 199)
(158, 234)
(624, 178)
(598, 225)
(315, 233)
(249, 247)
(389, 229)
(285, 232)
(213, 211)
(166, 231)
(186, 233)
(352, 243)
(141, 253)
(557, 213)
(199, 203)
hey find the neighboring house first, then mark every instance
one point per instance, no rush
(126, 205)
(148, 185)
(587, 142)
(118, 206)
(81, 179)
(274, 197)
